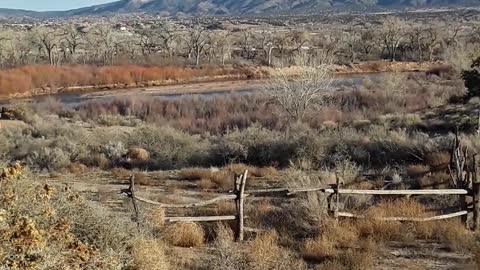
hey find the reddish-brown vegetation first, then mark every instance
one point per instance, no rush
(27, 78)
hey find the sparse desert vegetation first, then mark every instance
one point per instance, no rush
(65, 166)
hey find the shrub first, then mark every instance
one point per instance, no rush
(114, 150)
(138, 154)
(149, 255)
(48, 158)
(171, 148)
(185, 234)
(48, 228)
(264, 252)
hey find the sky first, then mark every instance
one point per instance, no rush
(44, 5)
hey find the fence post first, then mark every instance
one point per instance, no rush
(337, 197)
(476, 195)
(236, 191)
(241, 204)
(131, 191)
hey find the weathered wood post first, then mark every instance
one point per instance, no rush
(476, 195)
(236, 191)
(131, 194)
(241, 206)
(337, 197)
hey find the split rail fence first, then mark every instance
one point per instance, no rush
(239, 194)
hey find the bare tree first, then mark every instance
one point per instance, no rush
(104, 41)
(393, 32)
(352, 38)
(168, 35)
(46, 39)
(197, 41)
(220, 45)
(265, 42)
(74, 37)
(296, 96)
(368, 40)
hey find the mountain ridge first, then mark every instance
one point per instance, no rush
(231, 7)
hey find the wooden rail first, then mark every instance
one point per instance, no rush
(200, 219)
(189, 205)
(400, 192)
(412, 219)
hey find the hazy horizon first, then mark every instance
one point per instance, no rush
(49, 5)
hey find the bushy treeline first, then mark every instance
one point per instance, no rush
(35, 77)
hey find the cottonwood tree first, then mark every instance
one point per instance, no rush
(368, 40)
(393, 32)
(147, 41)
(104, 41)
(296, 96)
(168, 35)
(247, 43)
(73, 37)
(220, 46)
(266, 43)
(352, 38)
(46, 39)
(196, 40)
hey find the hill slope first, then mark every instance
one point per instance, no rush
(240, 7)
(233, 7)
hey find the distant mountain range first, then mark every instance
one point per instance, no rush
(232, 7)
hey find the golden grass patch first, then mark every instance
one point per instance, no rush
(149, 255)
(183, 234)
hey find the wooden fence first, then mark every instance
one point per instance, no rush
(239, 194)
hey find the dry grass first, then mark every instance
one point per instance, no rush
(417, 170)
(438, 160)
(149, 255)
(319, 249)
(382, 230)
(266, 172)
(209, 178)
(226, 208)
(155, 218)
(141, 178)
(333, 237)
(264, 252)
(184, 234)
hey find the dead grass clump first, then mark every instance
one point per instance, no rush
(266, 172)
(264, 252)
(194, 174)
(185, 234)
(155, 218)
(259, 211)
(382, 230)
(344, 235)
(438, 160)
(332, 239)
(454, 235)
(319, 249)
(149, 255)
(206, 184)
(418, 170)
(226, 208)
(357, 259)
(77, 168)
(141, 178)
(120, 173)
(223, 179)
(435, 181)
